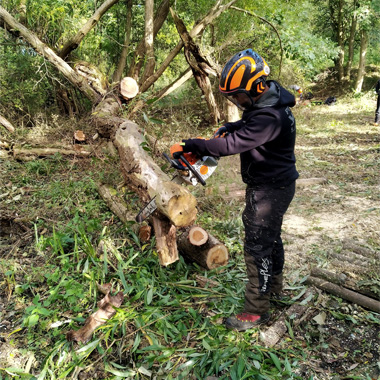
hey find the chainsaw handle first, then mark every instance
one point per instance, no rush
(187, 163)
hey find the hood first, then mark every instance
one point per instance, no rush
(275, 96)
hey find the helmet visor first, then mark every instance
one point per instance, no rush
(241, 99)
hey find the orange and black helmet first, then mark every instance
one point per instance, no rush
(245, 74)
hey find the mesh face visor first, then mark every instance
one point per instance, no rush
(242, 99)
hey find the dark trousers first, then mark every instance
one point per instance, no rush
(377, 113)
(263, 248)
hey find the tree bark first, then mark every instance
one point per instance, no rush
(362, 60)
(138, 58)
(349, 295)
(149, 38)
(351, 40)
(200, 67)
(77, 39)
(6, 124)
(145, 177)
(115, 204)
(340, 42)
(341, 279)
(118, 74)
(209, 255)
(166, 242)
(106, 310)
(20, 153)
(271, 336)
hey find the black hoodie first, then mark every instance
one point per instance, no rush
(264, 137)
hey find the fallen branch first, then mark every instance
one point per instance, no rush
(115, 203)
(20, 153)
(344, 293)
(6, 124)
(352, 259)
(273, 334)
(106, 311)
(351, 245)
(341, 279)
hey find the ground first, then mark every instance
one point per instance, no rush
(335, 143)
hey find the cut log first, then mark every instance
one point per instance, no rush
(145, 177)
(343, 280)
(106, 311)
(273, 334)
(349, 295)
(205, 282)
(166, 242)
(79, 136)
(128, 88)
(197, 235)
(209, 255)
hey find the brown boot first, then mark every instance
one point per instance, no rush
(245, 321)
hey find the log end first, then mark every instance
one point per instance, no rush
(217, 256)
(197, 236)
(182, 209)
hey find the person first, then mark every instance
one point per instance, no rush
(264, 138)
(377, 112)
(297, 88)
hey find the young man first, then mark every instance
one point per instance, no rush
(265, 138)
(377, 112)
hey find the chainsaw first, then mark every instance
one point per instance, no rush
(191, 170)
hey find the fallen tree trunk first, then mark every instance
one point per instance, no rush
(271, 336)
(209, 255)
(145, 177)
(346, 294)
(341, 279)
(106, 311)
(6, 124)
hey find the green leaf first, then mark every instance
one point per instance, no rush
(276, 361)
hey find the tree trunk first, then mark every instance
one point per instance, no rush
(351, 41)
(340, 42)
(138, 58)
(212, 254)
(198, 28)
(346, 294)
(145, 177)
(200, 67)
(362, 61)
(77, 39)
(117, 75)
(149, 37)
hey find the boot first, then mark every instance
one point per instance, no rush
(245, 321)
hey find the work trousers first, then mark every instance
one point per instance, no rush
(377, 113)
(263, 248)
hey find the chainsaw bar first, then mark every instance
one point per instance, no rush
(146, 211)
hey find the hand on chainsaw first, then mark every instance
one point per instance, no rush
(176, 150)
(221, 132)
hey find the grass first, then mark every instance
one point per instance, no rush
(169, 327)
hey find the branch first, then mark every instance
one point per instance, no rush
(269, 23)
(77, 39)
(6, 124)
(17, 29)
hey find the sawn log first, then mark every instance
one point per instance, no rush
(209, 255)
